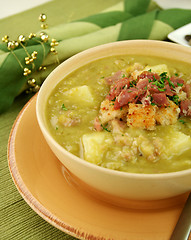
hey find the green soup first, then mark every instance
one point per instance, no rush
(75, 103)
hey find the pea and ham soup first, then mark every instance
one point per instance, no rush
(130, 114)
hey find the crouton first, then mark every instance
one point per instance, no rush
(108, 113)
(141, 116)
(167, 115)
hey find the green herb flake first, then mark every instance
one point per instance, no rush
(64, 108)
(105, 128)
(175, 99)
(182, 121)
(113, 100)
(149, 70)
(133, 83)
(161, 89)
(179, 84)
(170, 83)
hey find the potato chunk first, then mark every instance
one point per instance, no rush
(177, 143)
(80, 95)
(141, 116)
(158, 69)
(94, 146)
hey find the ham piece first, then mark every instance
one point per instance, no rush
(118, 87)
(185, 107)
(160, 99)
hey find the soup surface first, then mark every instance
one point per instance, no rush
(125, 113)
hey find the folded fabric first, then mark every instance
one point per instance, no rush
(15, 72)
(116, 14)
(153, 25)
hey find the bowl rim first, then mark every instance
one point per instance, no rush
(108, 171)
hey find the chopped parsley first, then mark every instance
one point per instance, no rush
(182, 121)
(64, 108)
(113, 100)
(105, 128)
(179, 84)
(133, 83)
(175, 99)
(170, 83)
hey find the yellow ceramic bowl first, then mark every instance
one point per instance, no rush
(110, 182)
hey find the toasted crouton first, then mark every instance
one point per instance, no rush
(108, 113)
(167, 115)
(141, 116)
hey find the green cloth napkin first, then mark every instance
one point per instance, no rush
(12, 63)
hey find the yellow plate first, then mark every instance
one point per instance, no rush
(40, 179)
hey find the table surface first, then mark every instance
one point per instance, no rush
(18, 220)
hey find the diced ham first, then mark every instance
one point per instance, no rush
(97, 125)
(177, 81)
(160, 99)
(126, 96)
(118, 87)
(187, 89)
(185, 107)
(142, 83)
(112, 79)
(145, 98)
(153, 88)
(169, 91)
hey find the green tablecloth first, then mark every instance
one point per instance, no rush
(17, 219)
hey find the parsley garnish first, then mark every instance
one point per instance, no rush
(170, 83)
(179, 84)
(104, 127)
(161, 89)
(182, 121)
(64, 108)
(133, 83)
(175, 99)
